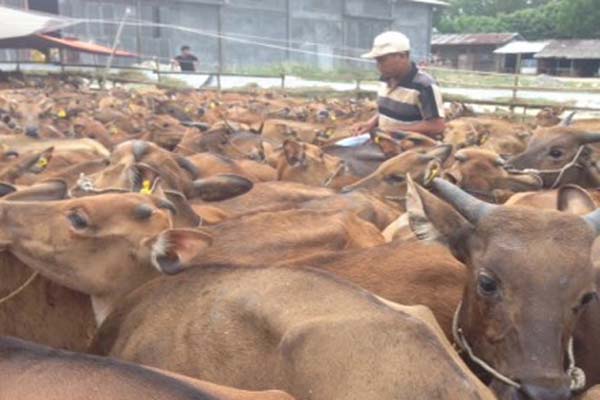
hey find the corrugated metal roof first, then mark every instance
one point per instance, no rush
(432, 2)
(571, 49)
(521, 47)
(473, 39)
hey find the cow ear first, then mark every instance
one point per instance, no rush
(294, 152)
(175, 249)
(50, 190)
(574, 199)
(185, 217)
(220, 187)
(434, 220)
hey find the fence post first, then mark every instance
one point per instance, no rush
(282, 81)
(157, 63)
(358, 85)
(219, 81)
(516, 83)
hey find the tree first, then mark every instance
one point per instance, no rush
(579, 19)
(541, 19)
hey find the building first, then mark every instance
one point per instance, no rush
(570, 57)
(519, 53)
(238, 34)
(472, 51)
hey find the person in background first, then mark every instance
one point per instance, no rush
(410, 100)
(186, 60)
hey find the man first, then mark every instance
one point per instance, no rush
(186, 60)
(410, 100)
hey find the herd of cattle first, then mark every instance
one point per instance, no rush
(193, 245)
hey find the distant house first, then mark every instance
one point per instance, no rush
(570, 57)
(509, 55)
(472, 51)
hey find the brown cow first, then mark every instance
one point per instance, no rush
(308, 164)
(34, 372)
(561, 155)
(312, 335)
(388, 182)
(101, 230)
(481, 173)
(503, 137)
(265, 237)
(530, 277)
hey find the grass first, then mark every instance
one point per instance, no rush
(340, 74)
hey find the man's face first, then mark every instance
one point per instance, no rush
(186, 51)
(393, 65)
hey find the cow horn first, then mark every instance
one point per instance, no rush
(593, 219)
(568, 120)
(589, 137)
(139, 149)
(468, 206)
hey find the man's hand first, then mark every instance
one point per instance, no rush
(360, 128)
(364, 127)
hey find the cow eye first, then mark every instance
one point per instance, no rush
(588, 297)
(78, 221)
(395, 179)
(556, 153)
(487, 285)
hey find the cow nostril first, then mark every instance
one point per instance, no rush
(535, 392)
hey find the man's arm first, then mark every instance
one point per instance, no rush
(430, 127)
(432, 111)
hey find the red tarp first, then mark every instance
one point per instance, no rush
(42, 42)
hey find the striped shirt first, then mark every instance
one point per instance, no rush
(416, 98)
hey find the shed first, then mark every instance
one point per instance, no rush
(510, 53)
(574, 57)
(474, 51)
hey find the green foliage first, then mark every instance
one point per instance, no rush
(534, 19)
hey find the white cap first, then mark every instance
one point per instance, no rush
(388, 43)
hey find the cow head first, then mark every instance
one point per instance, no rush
(96, 245)
(530, 277)
(549, 116)
(553, 149)
(307, 163)
(389, 179)
(28, 114)
(481, 173)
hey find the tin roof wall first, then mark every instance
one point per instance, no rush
(473, 39)
(521, 47)
(571, 49)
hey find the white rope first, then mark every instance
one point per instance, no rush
(561, 172)
(576, 374)
(227, 37)
(462, 343)
(20, 288)
(239, 35)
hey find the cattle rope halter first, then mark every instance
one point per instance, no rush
(576, 374)
(574, 163)
(20, 288)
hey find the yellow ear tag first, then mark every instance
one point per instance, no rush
(146, 187)
(114, 130)
(433, 173)
(333, 117)
(484, 138)
(377, 139)
(212, 105)
(187, 109)
(42, 162)
(62, 114)
(329, 133)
